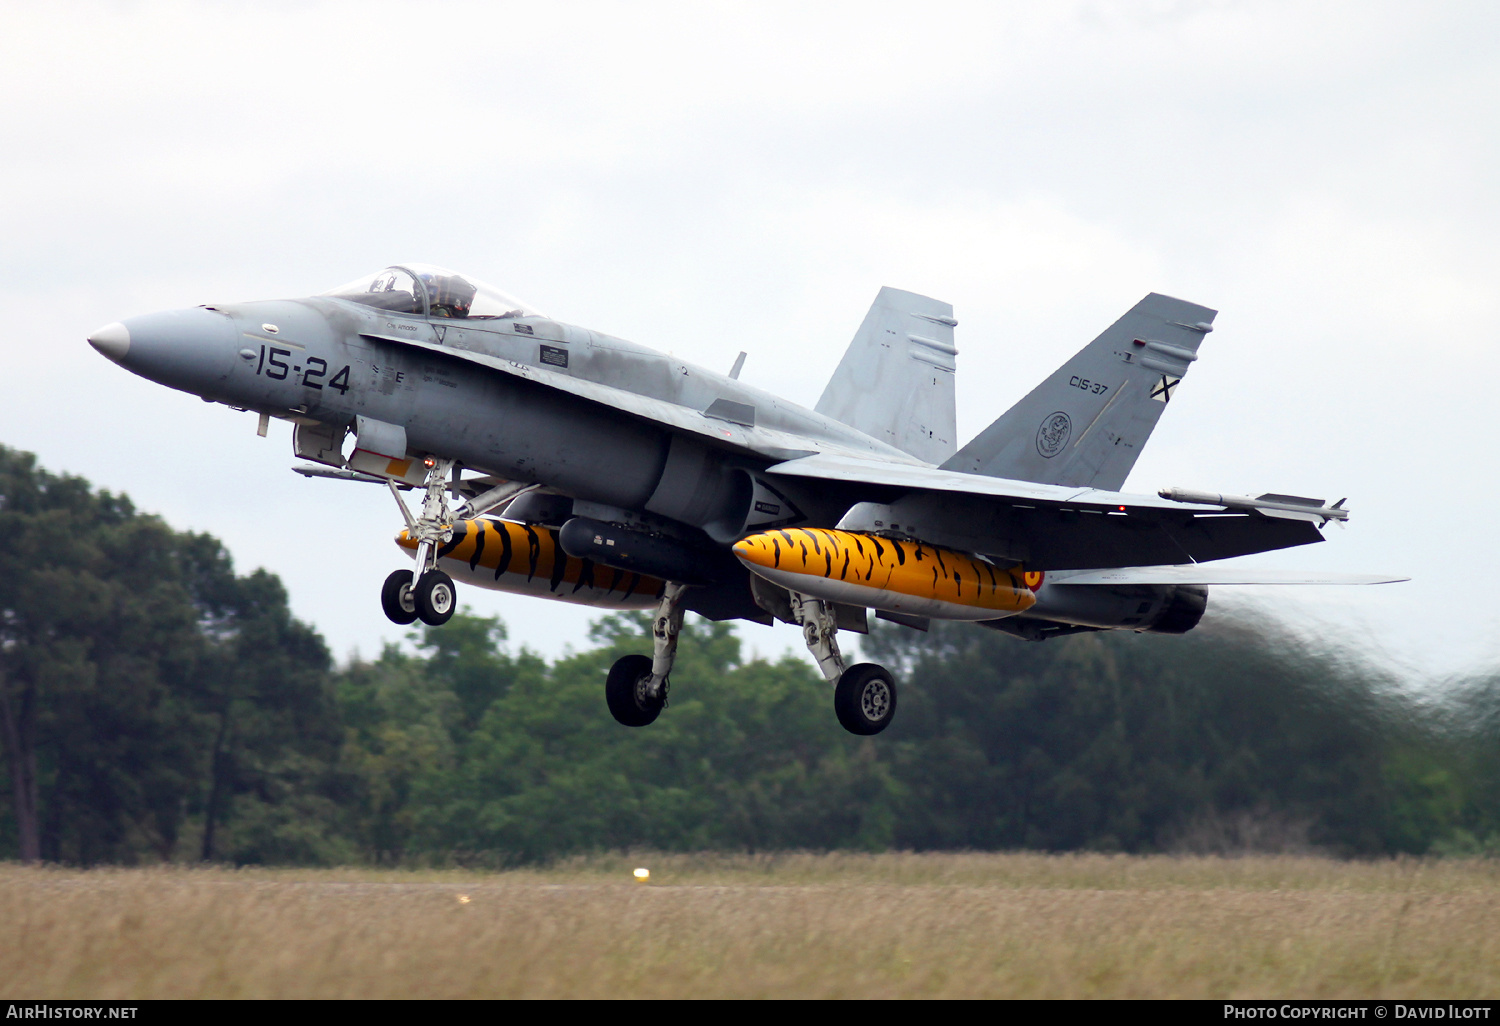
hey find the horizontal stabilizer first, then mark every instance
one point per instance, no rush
(1199, 574)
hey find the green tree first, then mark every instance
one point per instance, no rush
(143, 686)
(467, 751)
(97, 636)
(265, 687)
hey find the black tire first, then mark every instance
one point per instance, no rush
(436, 598)
(625, 692)
(865, 699)
(395, 598)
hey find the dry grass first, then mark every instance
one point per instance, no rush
(797, 925)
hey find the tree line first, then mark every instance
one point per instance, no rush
(157, 706)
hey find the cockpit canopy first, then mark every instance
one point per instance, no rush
(431, 291)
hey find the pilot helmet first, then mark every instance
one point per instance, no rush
(448, 295)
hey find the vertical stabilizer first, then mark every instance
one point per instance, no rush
(895, 382)
(1087, 423)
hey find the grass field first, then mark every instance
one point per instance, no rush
(901, 925)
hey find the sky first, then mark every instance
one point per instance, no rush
(706, 178)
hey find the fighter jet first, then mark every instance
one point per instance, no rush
(556, 461)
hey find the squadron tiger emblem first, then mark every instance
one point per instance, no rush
(1052, 436)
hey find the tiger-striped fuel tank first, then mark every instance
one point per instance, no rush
(503, 556)
(882, 573)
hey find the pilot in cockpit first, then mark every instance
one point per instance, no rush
(448, 295)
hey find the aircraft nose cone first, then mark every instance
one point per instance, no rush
(112, 340)
(193, 350)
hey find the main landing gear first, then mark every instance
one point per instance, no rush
(864, 695)
(636, 689)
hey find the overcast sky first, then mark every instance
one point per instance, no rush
(711, 177)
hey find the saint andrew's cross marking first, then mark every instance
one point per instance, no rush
(1163, 389)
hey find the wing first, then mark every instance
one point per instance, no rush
(1046, 527)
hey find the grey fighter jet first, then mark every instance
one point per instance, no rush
(557, 461)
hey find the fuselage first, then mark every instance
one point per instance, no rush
(330, 360)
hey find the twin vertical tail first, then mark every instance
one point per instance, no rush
(1086, 425)
(895, 382)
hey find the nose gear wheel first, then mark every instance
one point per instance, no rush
(396, 599)
(434, 598)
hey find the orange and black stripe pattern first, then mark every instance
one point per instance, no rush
(532, 552)
(906, 567)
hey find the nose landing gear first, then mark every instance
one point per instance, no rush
(432, 598)
(428, 594)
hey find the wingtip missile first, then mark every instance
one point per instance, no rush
(1270, 504)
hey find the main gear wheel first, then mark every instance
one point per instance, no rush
(865, 699)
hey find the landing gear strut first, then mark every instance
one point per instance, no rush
(864, 695)
(636, 689)
(432, 598)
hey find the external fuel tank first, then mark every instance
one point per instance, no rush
(897, 576)
(527, 560)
